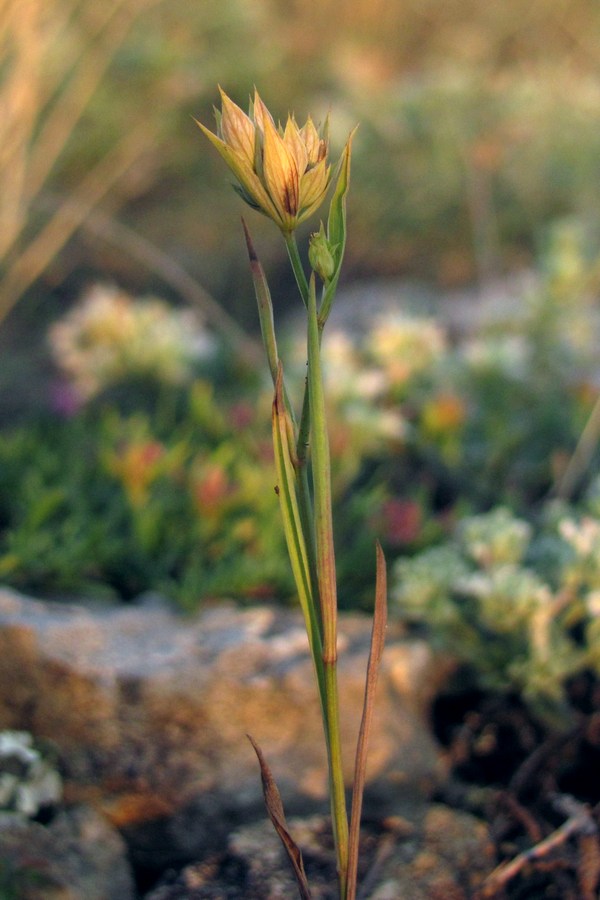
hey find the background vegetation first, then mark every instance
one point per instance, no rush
(477, 156)
(478, 126)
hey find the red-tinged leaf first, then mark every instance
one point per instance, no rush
(376, 651)
(276, 814)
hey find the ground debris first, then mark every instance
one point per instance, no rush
(537, 788)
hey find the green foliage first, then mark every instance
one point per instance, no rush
(114, 504)
(106, 502)
(22, 880)
(160, 484)
(492, 419)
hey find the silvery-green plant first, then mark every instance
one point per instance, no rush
(285, 173)
(520, 604)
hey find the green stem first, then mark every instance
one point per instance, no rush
(304, 495)
(301, 435)
(293, 527)
(321, 468)
(304, 429)
(326, 577)
(339, 811)
(294, 255)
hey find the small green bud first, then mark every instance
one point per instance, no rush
(320, 255)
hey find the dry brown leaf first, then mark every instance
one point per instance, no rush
(276, 814)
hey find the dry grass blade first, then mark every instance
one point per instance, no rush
(277, 816)
(42, 248)
(144, 251)
(78, 88)
(377, 643)
(588, 866)
(22, 46)
(55, 54)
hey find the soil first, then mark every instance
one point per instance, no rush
(532, 780)
(535, 783)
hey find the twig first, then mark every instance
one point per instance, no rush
(42, 103)
(535, 759)
(522, 815)
(580, 822)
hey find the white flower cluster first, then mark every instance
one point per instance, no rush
(402, 346)
(109, 336)
(583, 536)
(348, 376)
(506, 353)
(495, 538)
(27, 781)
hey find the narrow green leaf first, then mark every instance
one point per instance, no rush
(321, 470)
(276, 814)
(265, 305)
(336, 226)
(298, 440)
(336, 222)
(327, 588)
(581, 457)
(296, 262)
(283, 444)
(376, 651)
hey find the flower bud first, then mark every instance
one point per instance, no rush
(320, 255)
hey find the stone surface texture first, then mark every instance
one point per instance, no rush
(77, 856)
(149, 713)
(438, 854)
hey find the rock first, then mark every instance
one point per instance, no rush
(441, 854)
(150, 711)
(447, 859)
(78, 856)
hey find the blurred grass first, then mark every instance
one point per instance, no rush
(478, 127)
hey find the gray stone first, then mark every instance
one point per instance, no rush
(436, 854)
(150, 710)
(78, 856)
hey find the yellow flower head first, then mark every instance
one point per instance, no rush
(283, 172)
